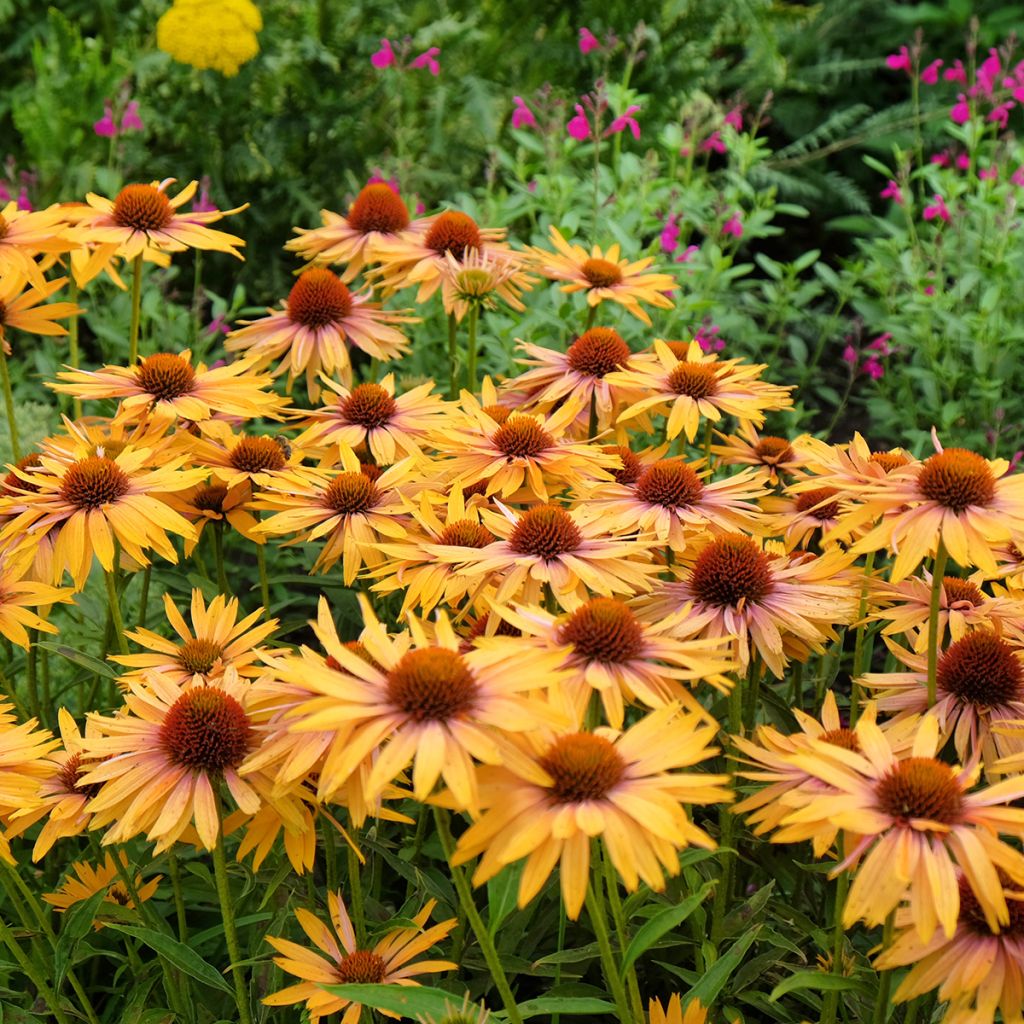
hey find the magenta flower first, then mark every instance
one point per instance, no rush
(988, 73)
(961, 111)
(963, 162)
(1001, 114)
(937, 210)
(130, 120)
(892, 191)
(218, 325)
(1018, 177)
(24, 203)
(988, 173)
(713, 143)
(899, 61)
(733, 226)
(385, 56)
(522, 116)
(624, 121)
(734, 119)
(670, 235)
(203, 204)
(579, 126)
(850, 355)
(941, 158)
(881, 344)
(688, 254)
(929, 289)
(428, 59)
(707, 338)
(873, 368)
(930, 75)
(588, 41)
(106, 126)
(377, 178)
(955, 72)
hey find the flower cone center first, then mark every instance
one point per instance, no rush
(350, 493)
(889, 460)
(601, 273)
(165, 376)
(960, 591)
(319, 298)
(730, 570)
(70, 773)
(257, 454)
(464, 533)
(597, 352)
(973, 917)
(432, 684)
(921, 787)
(453, 232)
(198, 655)
(378, 208)
(697, 380)
(671, 484)
(773, 450)
(210, 498)
(981, 669)
(369, 405)
(583, 767)
(631, 467)
(498, 413)
(810, 501)
(603, 629)
(93, 482)
(521, 437)
(207, 730)
(545, 531)
(142, 208)
(957, 479)
(361, 968)
(845, 738)
(12, 483)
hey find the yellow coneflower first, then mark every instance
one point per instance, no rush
(243, 458)
(20, 307)
(777, 456)
(480, 280)
(86, 880)
(205, 503)
(673, 1013)
(26, 234)
(18, 595)
(25, 764)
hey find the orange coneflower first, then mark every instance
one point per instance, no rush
(18, 595)
(168, 384)
(216, 503)
(26, 234)
(315, 326)
(699, 385)
(695, 1012)
(777, 456)
(85, 881)
(24, 766)
(243, 458)
(804, 514)
(602, 275)
(847, 467)
(390, 962)
(565, 787)
(20, 309)
(377, 215)
(479, 279)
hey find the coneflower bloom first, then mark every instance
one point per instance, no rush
(390, 962)
(563, 788)
(391, 427)
(85, 880)
(96, 500)
(977, 971)
(777, 456)
(26, 234)
(18, 595)
(804, 514)
(700, 386)
(770, 604)
(377, 215)
(168, 384)
(20, 308)
(142, 218)
(918, 820)
(218, 640)
(847, 467)
(350, 511)
(261, 831)
(603, 276)
(205, 503)
(242, 458)
(24, 765)
(551, 546)
(481, 279)
(673, 1013)
(419, 699)
(314, 328)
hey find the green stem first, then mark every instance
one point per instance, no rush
(144, 596)
(885, 979)
(33, 973)
(726, 827)
(330, 853)
(133, 332)
(591, 317)
(938, 573)
(73, 354)
(453, 358)
(114, 604)
(913, 1010)
(355, 885)
(475, 920)
(831, 1003)
(707, 446)
(12, 424)
(197, 299)
(619, 917)
(220, 873)
(31, 676)
(471, 347)
(218, 554)
(599, 921)
(179, 898)
(592, 425)
(858, 645)
(261, 565)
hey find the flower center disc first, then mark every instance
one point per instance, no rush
(12, 483)
(165, 376)
(69, 775)
(361, 968)
(889, 460)
(603, 630)
(521, 437)
(210, 498)
(960, 591)
(350, 493)
(93, 482)
(981, 669)
(632, 467)
(730, 570)
(257, 454)
(808, 501)
(369, 406)
(498, 413)
(957, 479)
(378, 208)
(921, 787)
(464, 533)
(773, 450)
(583, 767)
(479, 628)
(198, 655)
(545, 531)
(597, 352)
(601, 273)
(142, 208)
(432, 684)
(973, 917)
(4, 226)
(453, 232)
(207, 730)
(845, 738)
(697, 380)
(319, 298)
(671, 484)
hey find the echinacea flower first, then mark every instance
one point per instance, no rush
(565, 787)
(603, 276)
(85, 880)
(390, 962)
(479, 279)
(673, 1012)
(314, 328)
(18, 595)
(21, 308)
(241, 458)
(776, 456)
(26, 234)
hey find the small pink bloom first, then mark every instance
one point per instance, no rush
(588, 41)
(1015, 460)
(988, 73)
(624, 121)
(670, 235)
(428, 59)
(532, 187)
(733, 226)
(105, 126)
(5, 195)
(385, 56)
(734, 119)
(130, 120)
(988, 173)
(963, 162)
(942, 158)
(579, 126)
(929, 289)
(850, 355)
(713, 143)
(899, 61)
(420, 207)
(1018, 177)
(937, 210)
(522, 116)
(684, 152)
(218, 325)
(881, 344)
(892, 191)
(873, 368)
(688, 253)
(1001, 114)
(377, 178)
(955, 72)
(24, 203)
(961, 111)
(930, 75)
(707, 338)
(203, 203)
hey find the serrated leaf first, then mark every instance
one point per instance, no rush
(662, 923)
(178, 955)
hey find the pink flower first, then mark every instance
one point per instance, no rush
(24, 203)
(377, 178)
(588, 41)
(988, 73)
(130, 120)
(929, 289)
(1018, 177)
(670, 235)
(930, 75)
(937, 210)
(385, 56)
(963, 162)
(713, 143)
(873, 368)
(532, 187)
(1015, 460)
(707, 338)
(734, 119)
(624, 121)
(420, 208)
(218, 325)
(899, 61)
(850, 355)
(203, 204)
(955, 72)
(961, 111)
(522, 116)
(428, 59)
(1001, 114)
(881, 344)
(5, 195)
(579, 126)
(105, 126)
(733, 226)
(688, 254)
(988, 173)
(942, 159)
(892, 191)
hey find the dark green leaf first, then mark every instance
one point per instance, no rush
(94, 665)
(662, 922)
(547, 1005)
(177, 954)
(707, 989)
(817, 980)
(422, 1001)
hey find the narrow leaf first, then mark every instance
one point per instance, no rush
(817, 980)
(178, 955)
(662, 923)
(422, 1001)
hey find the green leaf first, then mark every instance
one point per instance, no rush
(422, 1001)
(817, 980)
(662, 922)
(178, 955)
(570, 956)
(501, 895)
(94, 665)
(75, 926)
(546, 1005)
(715, 977)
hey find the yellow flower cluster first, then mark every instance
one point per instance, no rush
(217, 34)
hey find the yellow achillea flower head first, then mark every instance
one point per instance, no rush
(217, 34)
